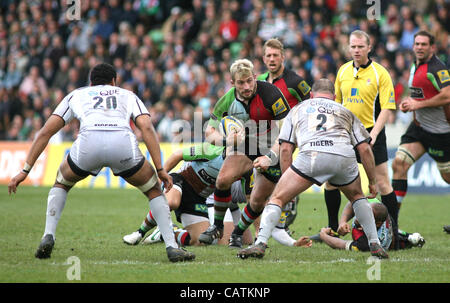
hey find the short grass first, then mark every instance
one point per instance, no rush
(94, 221)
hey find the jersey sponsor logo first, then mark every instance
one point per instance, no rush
(310, 110)
(443, 75)
(354, 96)
(201, 208)
(417, 92)
(435, 152)
(304, 87)
(204, 175)
(391, 97)
(278, 107)
(368, 82)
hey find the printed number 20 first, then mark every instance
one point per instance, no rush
(111, 102)
(323, 119)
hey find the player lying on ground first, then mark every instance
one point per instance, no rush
(359, 242)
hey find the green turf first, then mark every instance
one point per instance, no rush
(95, 220)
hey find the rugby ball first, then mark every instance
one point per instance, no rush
(230, 124)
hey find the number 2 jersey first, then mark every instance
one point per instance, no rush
(101, 107)
(323, 125)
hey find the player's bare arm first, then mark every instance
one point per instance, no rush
(173, 160)
(286, 151)
(150, 138)
(441, 99)
(379, 124)
(51, 127)
(368, 163)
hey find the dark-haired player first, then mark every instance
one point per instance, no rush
(105, 140)
(429, 132)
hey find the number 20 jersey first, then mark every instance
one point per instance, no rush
(323, 125)
(101, 107)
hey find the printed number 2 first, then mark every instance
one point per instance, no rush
(323, 119)
(111, 102)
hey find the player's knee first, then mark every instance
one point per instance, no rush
(223, 183)
(403, 160)
(444, 169)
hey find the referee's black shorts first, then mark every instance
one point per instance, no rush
(379, 149)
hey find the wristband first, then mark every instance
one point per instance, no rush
(26, 168)
(273, 157)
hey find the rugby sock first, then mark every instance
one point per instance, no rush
(270, 217)
(400, 189)
(333, 202)
(364, 215)
(390, 201)
(148, 223)
(248, 216)
(161, 214)
(222, 199)
(183, 237)
(55, 205)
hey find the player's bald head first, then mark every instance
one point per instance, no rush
(323, 86)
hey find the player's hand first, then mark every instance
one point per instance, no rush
(15, 181)
(262, 163)
(166, 179)
(235, 138)
(408, 104)
(372, 191)
(343, 229)
(303, 242)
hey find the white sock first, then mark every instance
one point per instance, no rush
(269, 218)
(161, 214)
(364, 215)
(55, 205)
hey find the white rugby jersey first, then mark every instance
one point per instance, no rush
(101, 107)
(323, 125)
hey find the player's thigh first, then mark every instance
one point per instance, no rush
(406, 155)
(174, 198)
(195, 229)
(234, 166)
(146, 180)
(290, 185)
(353, 191)
(66, 176)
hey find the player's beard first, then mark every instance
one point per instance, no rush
(250, 95)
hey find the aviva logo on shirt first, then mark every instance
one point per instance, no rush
(354, 96)
(304, 87)
(443, 75)
(278, 107)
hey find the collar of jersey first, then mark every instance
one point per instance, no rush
(365, 65)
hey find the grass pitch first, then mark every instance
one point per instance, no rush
(95, 220)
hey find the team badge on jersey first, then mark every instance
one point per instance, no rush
(278, 107)
(304, 87)
(443, 75)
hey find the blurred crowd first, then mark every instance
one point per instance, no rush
(175, 55)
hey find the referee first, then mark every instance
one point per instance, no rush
(365, 88)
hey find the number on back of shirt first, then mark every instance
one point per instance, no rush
(111, 102)
(320, 122)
